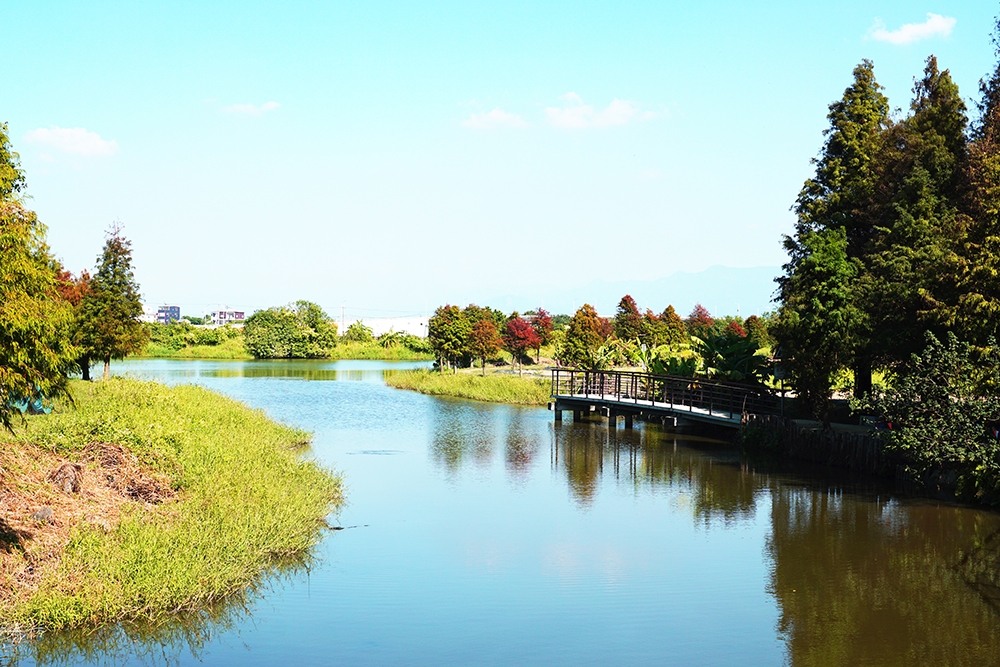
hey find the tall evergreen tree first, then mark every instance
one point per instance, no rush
(628, 321)
(818, 316)
(917, 264)
(978, 313)
(111, 328)
(844, 195)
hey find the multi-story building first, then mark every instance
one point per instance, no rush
(226, 316)
(167, 314)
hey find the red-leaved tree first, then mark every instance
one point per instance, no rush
(519, 337)
(484, 341)
(699, 321)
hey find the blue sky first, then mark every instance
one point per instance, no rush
(391, 157)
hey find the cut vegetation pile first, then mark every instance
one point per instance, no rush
(141, 500)
(494, 388)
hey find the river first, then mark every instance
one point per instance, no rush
(478, 534)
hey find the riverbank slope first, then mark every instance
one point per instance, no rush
(470, 383)
(140, 500)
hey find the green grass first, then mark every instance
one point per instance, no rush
(229, 349)
(351, 350)
(492, 388)
(246, 502)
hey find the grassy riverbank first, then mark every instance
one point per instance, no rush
(493, 388)
(185, 498)
(229, 349)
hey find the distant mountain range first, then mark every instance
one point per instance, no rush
(723, 290)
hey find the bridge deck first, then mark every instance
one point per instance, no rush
(649, 407)
(631, 393)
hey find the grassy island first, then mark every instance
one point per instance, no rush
(139, 500)
(493, 388)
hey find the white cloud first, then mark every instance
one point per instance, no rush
(251, 109)
(577, 115)
(73, 140)
(935, 25)
(496, 118)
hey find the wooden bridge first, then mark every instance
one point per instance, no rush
(668, 397)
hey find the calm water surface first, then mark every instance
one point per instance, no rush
(477, 534)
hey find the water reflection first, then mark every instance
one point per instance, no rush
(182, 635)
(875, 581)
(860, 576)
(719, 486)
(463, 431)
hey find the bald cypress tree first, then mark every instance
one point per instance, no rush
(978, 310)
(838, 212)
(919, 263)
(110, 311)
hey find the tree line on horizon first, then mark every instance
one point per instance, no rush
(727, 348)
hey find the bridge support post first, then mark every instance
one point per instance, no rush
(578, 415)
(628, 422)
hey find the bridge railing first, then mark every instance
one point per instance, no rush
(669, 391)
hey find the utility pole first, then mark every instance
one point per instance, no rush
(342, 330)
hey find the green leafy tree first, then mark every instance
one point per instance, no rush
(271, 333)
(628, 321)
(11, 176)
(357, 332)
(943, 410)
(110, 311)
(757, 331)
(484, 341)
(301, 330)
(732, 355)
(448, 332)
(818, 316)
(36, 351)
(583, 338)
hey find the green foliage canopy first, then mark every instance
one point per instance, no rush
(301, 330)
(35, 348)
(944, 409)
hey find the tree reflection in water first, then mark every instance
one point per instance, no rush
(865, 580)
(863, 573)
(718, 487)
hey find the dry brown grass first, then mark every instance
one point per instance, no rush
(92, 491)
